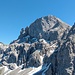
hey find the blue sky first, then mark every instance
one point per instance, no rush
(17, 14)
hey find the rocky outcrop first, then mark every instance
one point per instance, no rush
(15, 53)
(48, 43)
(49, 28)
(35, 59)
(63, 60)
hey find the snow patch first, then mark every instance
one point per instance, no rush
(41, 57)
(51, 51)
(42, 40)
(46, 69)
(35, 70)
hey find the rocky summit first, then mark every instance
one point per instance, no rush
(46, 47)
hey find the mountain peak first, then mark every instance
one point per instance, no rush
(43, 48)
(47, 25)
(45, 28)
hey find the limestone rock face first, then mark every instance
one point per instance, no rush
(71, 34)
(15, 53)
(48, 27)
(46, 47)
(63, 60)
(34, 59)
(24, 32)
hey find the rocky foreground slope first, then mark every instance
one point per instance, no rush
(46, 47)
